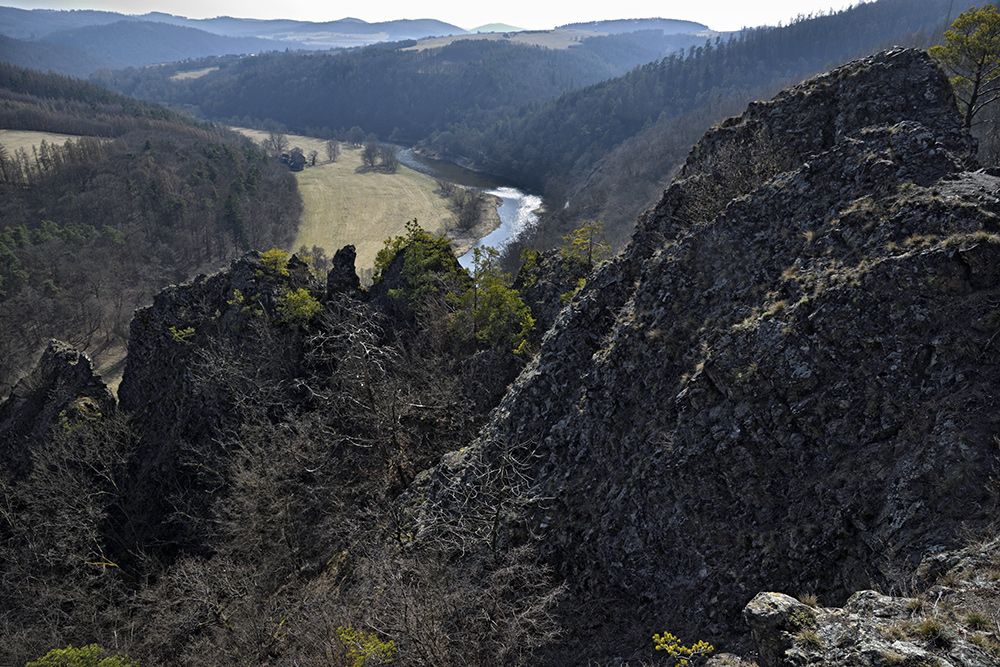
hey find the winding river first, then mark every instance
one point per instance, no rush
(517, 210)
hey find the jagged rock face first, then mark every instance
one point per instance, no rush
(545, 284)
(62, 387)
(158, 385)
(871, 630)
(785, 381)
(343, 277)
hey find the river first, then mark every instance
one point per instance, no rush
(517, 210)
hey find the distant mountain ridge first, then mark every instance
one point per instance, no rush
(619, 26)
(39, 24)
(139, 43)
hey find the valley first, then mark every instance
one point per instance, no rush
(729, 399)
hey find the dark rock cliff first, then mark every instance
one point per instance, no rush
(62, 389)
(788, 379)
(787, 382)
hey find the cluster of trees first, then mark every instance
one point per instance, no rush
(378, 156)
(247, 517)
(92, 228)
(399, 94)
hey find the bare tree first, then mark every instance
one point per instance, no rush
(388, 162)
(332, 150)
(276, 143)
(370, 154)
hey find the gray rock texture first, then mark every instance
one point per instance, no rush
(61, 389)
(786, 381)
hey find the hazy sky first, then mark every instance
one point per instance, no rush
(532, 14)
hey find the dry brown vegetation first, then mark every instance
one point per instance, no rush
(344, 204)
(551, 39)
(27, 139)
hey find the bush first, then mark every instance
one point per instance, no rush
(86, 656)
(298, 306)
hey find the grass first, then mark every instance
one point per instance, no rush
(551, 39)
(192, 74)
(14, 139)
(344, 205)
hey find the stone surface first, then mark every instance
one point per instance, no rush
(343, 277)
(871, 630)
(62, 388)
(785, 380)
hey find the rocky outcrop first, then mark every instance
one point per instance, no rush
(872, 629)
(62, 388)
(784, 382)
(343, 277)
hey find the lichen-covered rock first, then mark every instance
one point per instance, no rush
(871, 630)
(61, 389)
(785, 380)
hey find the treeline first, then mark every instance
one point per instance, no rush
(93, 227)
(398, 94)
(565, 138)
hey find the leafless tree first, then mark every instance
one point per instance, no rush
(276, 143)
(332, 150)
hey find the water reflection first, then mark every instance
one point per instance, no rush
(517, 212)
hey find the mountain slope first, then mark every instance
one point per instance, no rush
(140, 43)
(781, 383)
(787, 381)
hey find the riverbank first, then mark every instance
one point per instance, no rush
(463, 240)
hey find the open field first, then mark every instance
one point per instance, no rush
(345, 205)
(193, 74)
(552, 39)
(14, 139)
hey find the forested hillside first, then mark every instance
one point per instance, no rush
(395, 91)
(40, 24)
(552, 121)
(92, 227)
(140, 43)
(555, 148)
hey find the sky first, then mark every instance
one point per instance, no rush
(720, 15)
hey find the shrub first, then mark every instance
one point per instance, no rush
(275, 261)
(365, 649)
(86, 656)
(681, 654)
(297, 306)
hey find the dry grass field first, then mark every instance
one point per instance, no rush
(193, 74)
(345, 205)
(552, 39)
(14, 139)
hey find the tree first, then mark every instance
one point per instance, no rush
(971, 55)
(585, 245)
(388, 162)
(313, 154)
(332, 150)
(468, 204)
(276, 143)
(492, 311)
(370, 154)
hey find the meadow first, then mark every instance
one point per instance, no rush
(345, 204)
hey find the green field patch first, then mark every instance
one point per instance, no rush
(27, 139)
(347, 205)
